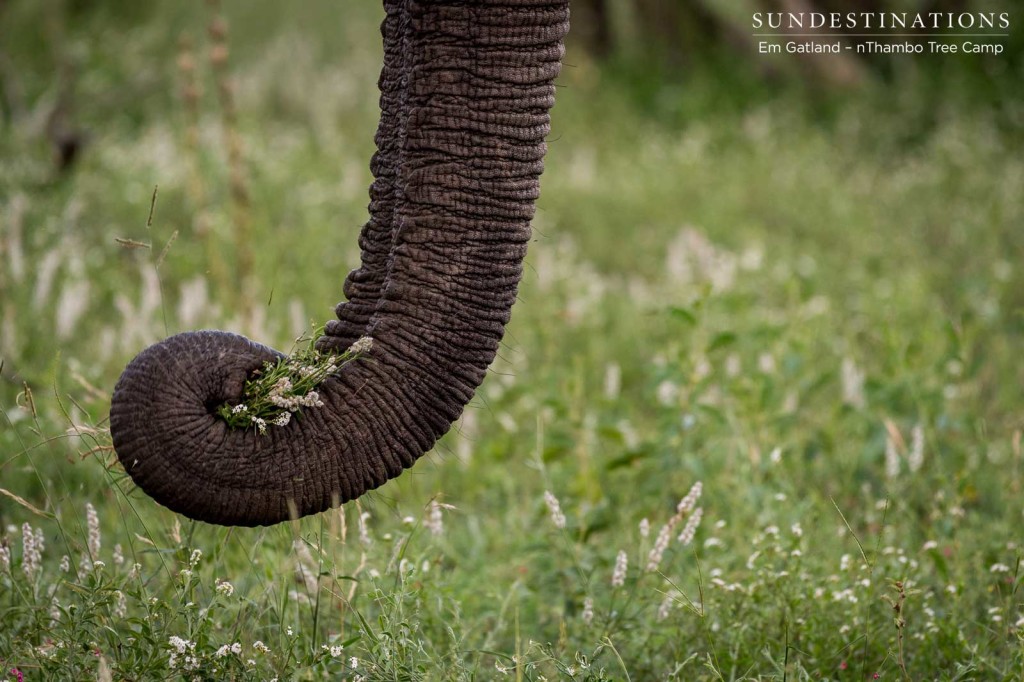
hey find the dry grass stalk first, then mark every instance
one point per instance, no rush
(191, 94)
(238, 182)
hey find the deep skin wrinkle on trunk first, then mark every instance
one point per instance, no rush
(465, 93)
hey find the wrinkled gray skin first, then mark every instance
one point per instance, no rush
(465, 94)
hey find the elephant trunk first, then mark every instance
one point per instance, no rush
(465, 94)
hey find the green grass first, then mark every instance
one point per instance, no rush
(695, 289)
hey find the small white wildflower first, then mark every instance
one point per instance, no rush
(660, 545)
(686, 537)
(612, 381)
(853, 384)
(621, 566)
(844, 595)
(222, 652)
(408, 520)
(353, 662)
(291, 404)
(261, 424)
(197, 554)
(435, 522)
(668, 393)
(336, 651)
(666, 607)
(776, 455)
(689, 502)
(185, 575)
(771, 530)
(588, 611)
(288, 631)
(282, 419)
(121, 606)
(93, 523)
(844, 562)
(645, 528)
(999, 568)
(892, 458)
(98, 565)
(713, 542)
(238, 409)
(225, 588)
(180, 645)
(5, 558)
(797, 530)
(118, 555)
(364, 533)
(363, 345)
(261, 647)
(311, 399)
(557, 517)
(32, 543)
(931, 544)
(915, 458)
(283, 385)
(65, 564)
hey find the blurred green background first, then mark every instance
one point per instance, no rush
(798, 281)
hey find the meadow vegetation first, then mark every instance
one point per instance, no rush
(757, 415)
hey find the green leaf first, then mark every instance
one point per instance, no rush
(722, 340)
(682, 314)
(628, 458)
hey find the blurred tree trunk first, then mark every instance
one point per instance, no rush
(837, 70)
(593, 23)
(678, 29)
(678, 34)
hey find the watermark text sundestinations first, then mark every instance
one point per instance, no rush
(918, 21)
